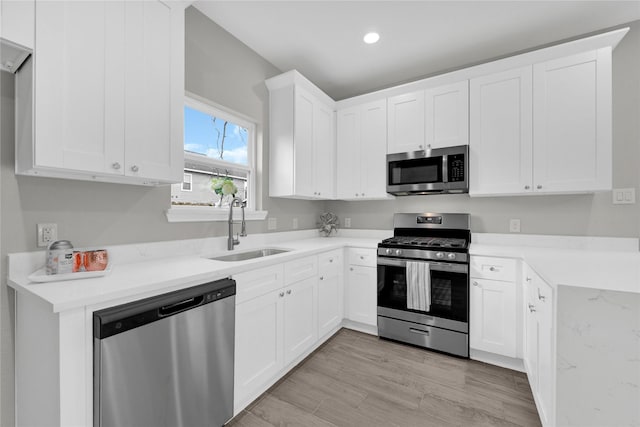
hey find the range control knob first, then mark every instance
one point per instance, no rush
(388, 251)
(451, 256)
(398, 251)
(439, 255)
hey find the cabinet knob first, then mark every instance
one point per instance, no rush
(289, 292)
(330, 259)
(492, 269)
(350, 268)
(116, 165)
(281, 294)
(475, 283)
(362, 194)
(539, 187)
(429, 146)
(528, 279)
(134, 168)
(532, 308)
(526, 187)
(321, 277)
(318, 193)
(356, 194)
(540, 296)
(361, 257)
(419, 146)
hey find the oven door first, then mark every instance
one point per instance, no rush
(449, 290)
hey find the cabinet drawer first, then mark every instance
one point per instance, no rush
(300, 269)
(493, 268)
(362, 256)
(330, 263)
(258, 282)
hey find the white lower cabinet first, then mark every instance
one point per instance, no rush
(330, 292)
(300, 318)
(493, 317)
(361, 291)
(539, 349)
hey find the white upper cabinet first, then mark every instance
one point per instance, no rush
(302, 139)
(572, 123)
(435, 118)
(501, 133)
(406, 117)
(107, 92)
(361, 151)
(447, 115)
(543, 129)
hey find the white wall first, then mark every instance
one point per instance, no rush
(580, 215)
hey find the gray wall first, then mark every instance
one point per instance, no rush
(218, 67)
(580, 215)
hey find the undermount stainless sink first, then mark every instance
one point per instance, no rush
(242, 256)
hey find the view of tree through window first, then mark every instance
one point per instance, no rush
(218, 150)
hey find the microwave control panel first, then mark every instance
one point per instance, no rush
(456, 167)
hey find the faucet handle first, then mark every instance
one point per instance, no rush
(236, 240)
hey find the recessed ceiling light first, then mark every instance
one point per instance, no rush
(371, 38)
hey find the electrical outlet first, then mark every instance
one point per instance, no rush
(295, 223)
(47, 233)
(624, 196)
(347, 223)
(272, 224)
(514, 225)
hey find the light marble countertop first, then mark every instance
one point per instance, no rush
(611, 270)
(147, 277)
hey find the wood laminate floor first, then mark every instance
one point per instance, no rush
(356, 379)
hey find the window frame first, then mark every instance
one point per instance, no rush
(180, 213)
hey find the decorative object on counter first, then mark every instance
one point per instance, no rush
(224, 187)
(328, 223)
(96, 260)
(60, 257)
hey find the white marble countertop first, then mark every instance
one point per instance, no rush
(611, 269)
(147, 277)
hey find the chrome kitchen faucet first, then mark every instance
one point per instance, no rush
(231, 241)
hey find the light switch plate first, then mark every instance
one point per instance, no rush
(272, 224)
(295, 223)
(347, 223)
(514, 225)
(624, 196)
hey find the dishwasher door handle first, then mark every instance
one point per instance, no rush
(176, 307)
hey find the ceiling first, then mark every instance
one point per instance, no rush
(323, 39)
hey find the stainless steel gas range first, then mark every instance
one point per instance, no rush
(423, 282)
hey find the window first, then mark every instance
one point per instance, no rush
(219, 148)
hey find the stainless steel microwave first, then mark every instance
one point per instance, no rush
(441, 170)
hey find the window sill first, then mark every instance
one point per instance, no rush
(204, 213)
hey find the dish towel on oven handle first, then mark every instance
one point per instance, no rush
(418, 286)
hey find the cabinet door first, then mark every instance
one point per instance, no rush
(258, 345)
(79, 86)
(531, 331)
(447, 115)
(361, 295)
(324, 152)
(300, 318)
(330, 292)
(500, 146)
(572, 123)
(303, 141)
(349, 153)
(406, 122)
(154, 90)
(493, 316)
(373, 151)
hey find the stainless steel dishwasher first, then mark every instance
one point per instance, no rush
(166, 360)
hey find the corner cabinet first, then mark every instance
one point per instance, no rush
(302, 139)
(361, 291)
(544, 128)
(362, 151)
(102, 96)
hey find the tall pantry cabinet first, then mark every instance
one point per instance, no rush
(102, 96)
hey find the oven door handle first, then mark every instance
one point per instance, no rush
(437, 266)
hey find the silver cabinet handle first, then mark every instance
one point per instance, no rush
(475, 283)
(418, 331)
(532, 308)
(539, 186)
(134, 168)
(362, 194)
(541, 297)
(116, 165)
(281, 294)
(350, 268)
(330, 259)
(492, 269)
(361, 257)
(526, 187)
(289, 292)
(528, 279)
(321, 277)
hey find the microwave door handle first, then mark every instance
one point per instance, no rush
(445, 168)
